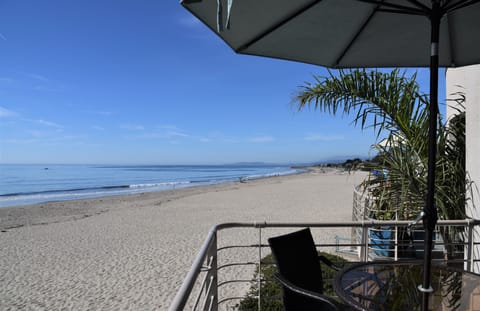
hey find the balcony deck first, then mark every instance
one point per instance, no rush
(216, 282)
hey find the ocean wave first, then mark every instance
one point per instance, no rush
(162, 184)
(90, 192)
(89, 185)
(90, 189)
(39, 198)
(273, 174)
(62, 190)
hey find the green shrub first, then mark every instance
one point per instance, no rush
(271, 290)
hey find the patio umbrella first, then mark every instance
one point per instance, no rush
(357, 33)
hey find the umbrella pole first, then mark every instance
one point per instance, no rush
(430, 219)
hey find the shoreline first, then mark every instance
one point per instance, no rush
(109, 188)
(134, 251)
(43, 213)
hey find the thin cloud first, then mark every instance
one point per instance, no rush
(323, 137)
(48, 123)
(169, 127)
(39, 137)
(6, 80)
(145, 136)
(261, 139)
(172, 133)
(5, 113)
(3, 37)
(102, 113)
(220, 137)
(133, 127)
(37, 77)
(42, 88)
(36, 133)
(98, 128)
(75, 138)
(20, 141)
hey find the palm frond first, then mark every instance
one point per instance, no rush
(392, 105)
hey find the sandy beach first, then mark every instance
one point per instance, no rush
(133, 252)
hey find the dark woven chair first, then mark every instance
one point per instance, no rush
(300, 273)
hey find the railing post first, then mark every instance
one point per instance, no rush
(364, 247)
(395, 248)
(475, 247)
(470, 246)
(183, 294)
(212, 275)
(259, 278)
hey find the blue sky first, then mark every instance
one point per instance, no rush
(143, 82)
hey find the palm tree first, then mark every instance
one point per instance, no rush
(392, 105)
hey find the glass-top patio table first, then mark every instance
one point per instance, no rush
(393, 286)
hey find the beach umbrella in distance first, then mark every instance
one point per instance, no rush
(356, 34)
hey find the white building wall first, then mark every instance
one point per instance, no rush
(467, 80)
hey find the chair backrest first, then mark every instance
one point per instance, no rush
(297, 259)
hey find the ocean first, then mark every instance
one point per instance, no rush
(27, 184)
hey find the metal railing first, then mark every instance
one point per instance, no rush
(201, 287)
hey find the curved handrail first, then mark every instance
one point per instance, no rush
(184, 292)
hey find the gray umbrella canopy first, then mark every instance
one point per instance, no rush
(357, 33)
(345, 33)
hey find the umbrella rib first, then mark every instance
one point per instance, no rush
(399, 9)
(450, 40)
(405, 8)
(400, 12)
(276, 26)
(345, 50)
(452, 6)
(459, 5)
(420, 5)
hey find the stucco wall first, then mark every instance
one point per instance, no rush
(467, 80)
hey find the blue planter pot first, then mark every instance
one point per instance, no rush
(381, 241)
(409, 245)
